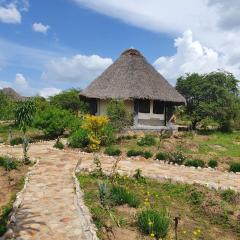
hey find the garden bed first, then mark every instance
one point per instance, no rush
(205, 214)
(11, 182)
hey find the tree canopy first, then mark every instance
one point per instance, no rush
(214, 95)
(69, 100)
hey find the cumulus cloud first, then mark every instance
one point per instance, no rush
(10, 14)
(192, 56)
(39, 27)
(77, 69)
(48, 92)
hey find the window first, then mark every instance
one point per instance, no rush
(144, 106)
(158, 107)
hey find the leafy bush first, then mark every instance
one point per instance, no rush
(53, 121)
(154, 223)
(121, 196)
(8, 163)
(229, 196)
(234, 167)
(58, 144)
(118, 115)
(213, 163)
(196, 197)
(138, 176)
(195, 163)
(162, 156)
(134, 153)
(16, 141)
(4, 217)
(79, 139)
(176, 157)
(147, 140)
(112, 151)
(147, 154)
(108, 135)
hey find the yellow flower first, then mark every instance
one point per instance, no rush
(184, 232)
(199, 230)
(195, 232)
(152, 235)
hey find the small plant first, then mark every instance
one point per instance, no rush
(176, 157)
(134, 153)
(147, 154)
(79, 139)
(195, 163)
(234, 167)
(103, 193)
(4, 218)
(98, 172)
(7, 163)
(16, 141)
(196, 197)
(138, 176)
(162, 156)
(58, 144)
(112, 151)
(153, 223)
(147, 140)
(213, 163)
(121, 196)
(229, 196)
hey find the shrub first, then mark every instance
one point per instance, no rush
(162, 156)
(138, 176)
(154, 223)
(7, 163)
(16, 141)
(53, 121)
(176, 157)
(120, 196)
(134, 153)
(229, 196)
(4, 217)
(147, 154)
(58, 144)
(234, 167)
(147, 140)
(112, 151)
(108, 135)
(79, 139)
(196, 197)
(195, 163)
(118, 115)
(213, 163)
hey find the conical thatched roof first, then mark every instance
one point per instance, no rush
(132, 77)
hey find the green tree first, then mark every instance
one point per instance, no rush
(118, 115)
(6, 107)
(69, 100)
(214, 95)
(24, 117)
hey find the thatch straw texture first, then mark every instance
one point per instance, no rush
(132, 77)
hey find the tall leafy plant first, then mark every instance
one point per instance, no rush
(24, 117)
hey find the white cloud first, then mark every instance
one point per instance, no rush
(10, 14)
(192, 56)
(77, 69)
(39, 27)
(47, 92)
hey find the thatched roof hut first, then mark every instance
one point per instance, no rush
(132, 77)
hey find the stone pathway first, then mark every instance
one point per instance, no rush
(49, 209)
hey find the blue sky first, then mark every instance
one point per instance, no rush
(47, 46)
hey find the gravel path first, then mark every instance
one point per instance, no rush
(49, 208)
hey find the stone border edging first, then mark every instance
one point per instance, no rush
(84, 214)
(17, 203)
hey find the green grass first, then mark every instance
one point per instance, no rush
(199, 207)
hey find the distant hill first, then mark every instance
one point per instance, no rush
(12, 94)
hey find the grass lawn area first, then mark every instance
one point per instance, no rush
(223, 147)
(5, 128)
(205, 214)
